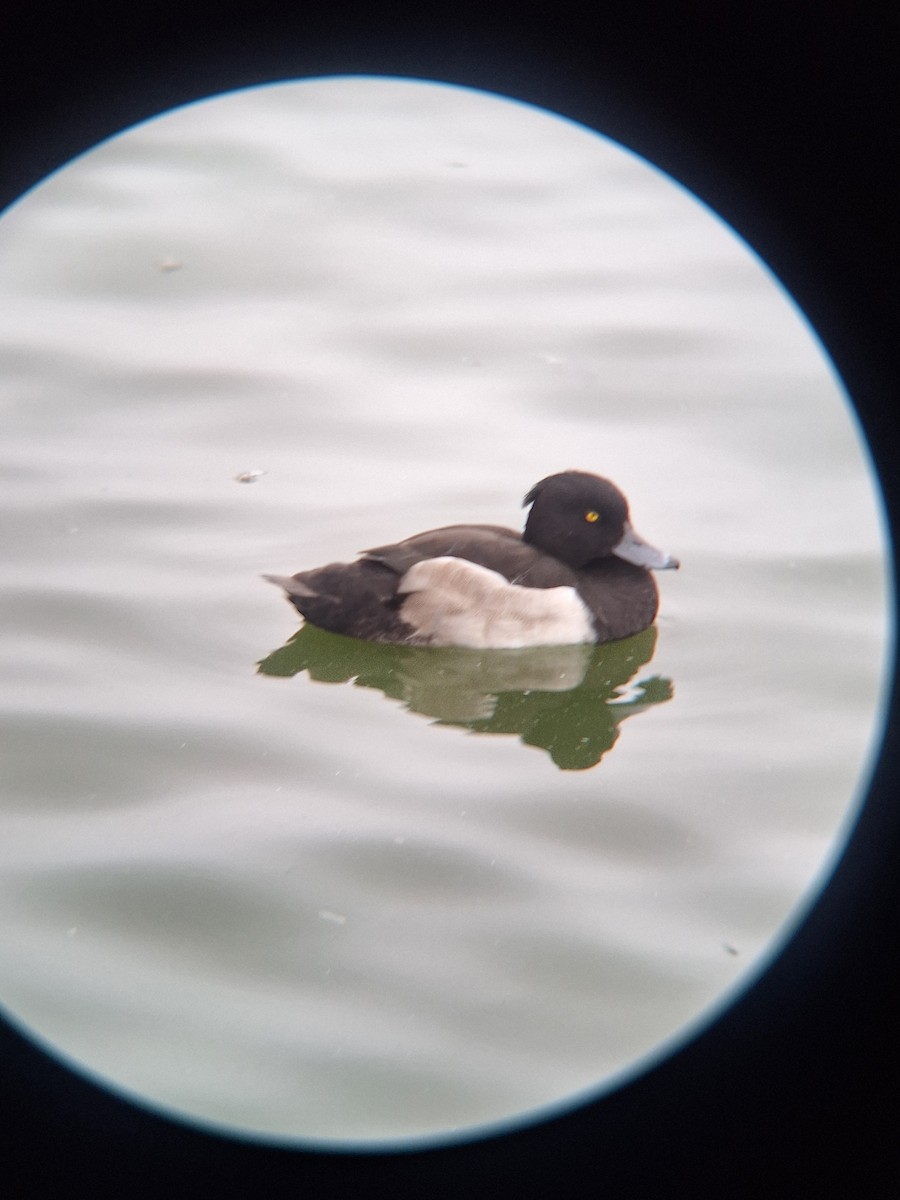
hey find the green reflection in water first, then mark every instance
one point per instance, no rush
(567, 700)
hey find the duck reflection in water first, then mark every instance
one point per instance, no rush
(567, 700)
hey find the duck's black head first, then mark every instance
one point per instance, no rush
(580, 518)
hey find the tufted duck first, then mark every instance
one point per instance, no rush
(579, 573)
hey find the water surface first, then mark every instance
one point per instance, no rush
(321, 891)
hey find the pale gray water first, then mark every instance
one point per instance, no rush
(305, 909)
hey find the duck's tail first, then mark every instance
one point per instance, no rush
(291, 584)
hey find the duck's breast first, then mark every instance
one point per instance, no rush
(621, 597)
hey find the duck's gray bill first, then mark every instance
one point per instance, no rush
(635, 550)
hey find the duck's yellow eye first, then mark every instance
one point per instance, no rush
(591, 516)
